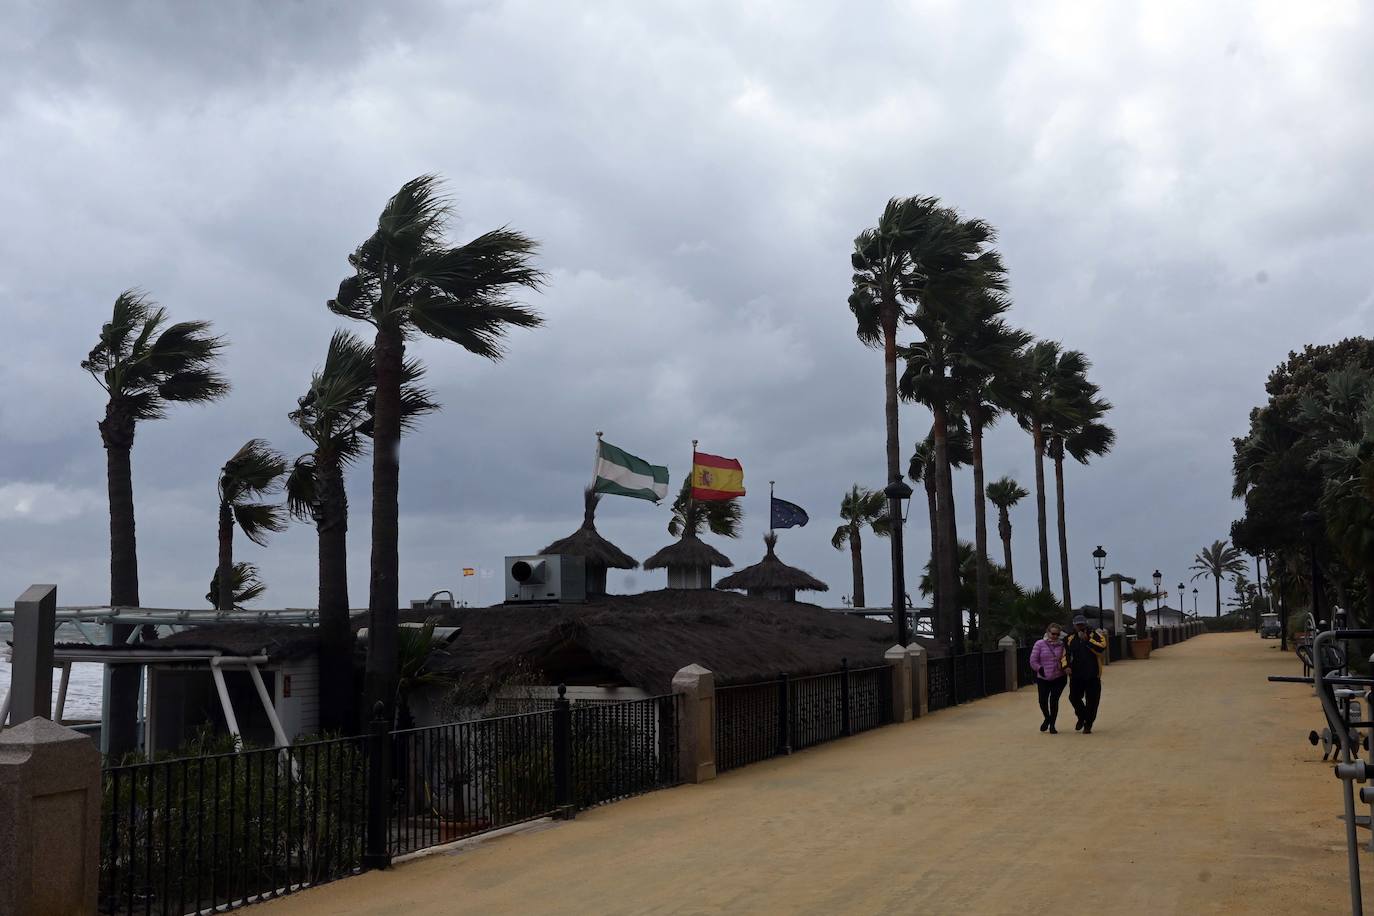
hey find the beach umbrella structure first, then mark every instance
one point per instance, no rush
(771, 578)
(688, 561)
(597, 553)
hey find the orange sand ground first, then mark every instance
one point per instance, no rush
(1197, 793)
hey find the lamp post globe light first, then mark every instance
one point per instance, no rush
(896, 491)
(1194, 601)
(1158, 579)
(1099, 563)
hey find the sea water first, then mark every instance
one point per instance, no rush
(84, 690)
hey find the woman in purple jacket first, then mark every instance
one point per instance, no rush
(1046, 660)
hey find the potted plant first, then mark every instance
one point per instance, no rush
(1140, 644)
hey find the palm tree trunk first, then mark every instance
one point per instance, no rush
(1004, 531)
(1038, 441)
(226, 559)
(337, 709)
(384, 590)
(1063, 528)
(856, 558)
(946, 573)
(980, 515)
(1216, 580)
(933, 513)
(894, 471)
(123, 680)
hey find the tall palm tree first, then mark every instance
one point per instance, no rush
(1047, 377)
(144, 364)
(1218, 561)
(860, 507)
(255, 471)
(335, 414)
(408, 280)
(921, 469)
(1078, 432)
(247, 586)
(1005, 493)
(919, 250)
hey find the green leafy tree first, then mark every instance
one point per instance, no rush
(144, 364)
(1005, 493)
(409, 280)
(255, 471)
(1218, 561)
(336, 415)
(1003, 594)
(860, 508)
(247, 586)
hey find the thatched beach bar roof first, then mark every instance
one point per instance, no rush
(598, 553)
(772, 578)
(688, 561)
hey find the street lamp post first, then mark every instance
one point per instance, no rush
(1158, 579)
(1194, 601)
(1181, 613)
(1099, 563)
(896, 491)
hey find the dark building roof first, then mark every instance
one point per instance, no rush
(587, 542)
(279, 642)
(772, 573)
(644, 639)
(688, 550)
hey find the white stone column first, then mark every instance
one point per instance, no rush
(1008, 647)
(920, 696)
(696, 729)
(900, 663)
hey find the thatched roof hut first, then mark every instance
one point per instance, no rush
(597, 553)
(771, 578)
(643, 640)
(688, 561)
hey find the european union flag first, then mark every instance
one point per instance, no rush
(787, 515)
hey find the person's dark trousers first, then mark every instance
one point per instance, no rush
(1050, 692)
(1085, 693)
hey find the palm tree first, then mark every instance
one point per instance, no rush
(144, 365)
(1079, 432)
(409, 280)
(255, 471)
(1138, 596)
(690, 516)
(919, 250)
(860, 507)
(1047, 377)
(335, 414)
(246, 583)
(1005, 493)
(1218, 561)
(921, 469)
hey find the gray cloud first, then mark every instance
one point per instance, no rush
(696, 174)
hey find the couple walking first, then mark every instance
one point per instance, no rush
(1077, 661)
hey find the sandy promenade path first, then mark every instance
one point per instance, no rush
(1196, 793)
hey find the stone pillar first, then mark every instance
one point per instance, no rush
(696, 729)
(49, 821)
(1008, 647)
(900, 663)
(920, 683)
(35, 619)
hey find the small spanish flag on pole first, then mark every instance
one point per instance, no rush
(714, 477)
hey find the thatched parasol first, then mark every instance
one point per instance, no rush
(688, 561)
(772, 578)
(598, 553)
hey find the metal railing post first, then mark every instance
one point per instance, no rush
(562, 756)
(846, 727)
(378, 853)
(784, 715)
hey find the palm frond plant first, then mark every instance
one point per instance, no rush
(1139, 596)
(919, 251)
(144, 364)
(245, 583)
(860, 508)
(1005, 493)
(409, 280)
(254, 472)
(1218, 560)
(336, 415)
(414, 648)
(690, 516)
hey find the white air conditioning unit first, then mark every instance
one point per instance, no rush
(545, 579)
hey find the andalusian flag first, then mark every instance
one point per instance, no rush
(622, 474)
(714, 477)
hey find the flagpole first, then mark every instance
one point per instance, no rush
(691, 484)
(770, 508)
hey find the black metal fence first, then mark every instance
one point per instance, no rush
(770, 718)
(957, 679)
(1024, 673)
(182, 836)
(216, 832)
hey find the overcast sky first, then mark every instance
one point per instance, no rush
(1182, 191)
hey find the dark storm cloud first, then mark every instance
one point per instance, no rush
(696, 174)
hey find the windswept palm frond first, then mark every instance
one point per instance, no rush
(719, 516)
(1005, 493)
(244, 582)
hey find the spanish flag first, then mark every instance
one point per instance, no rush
(714, 477)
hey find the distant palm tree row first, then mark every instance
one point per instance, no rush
(407, 280)
(926, 267)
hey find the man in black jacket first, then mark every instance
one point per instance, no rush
(1083, 653)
